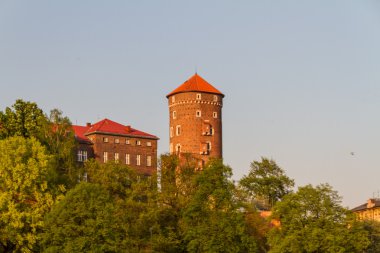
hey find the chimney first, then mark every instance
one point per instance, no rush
(128, 129)
(370, 203)
(88, 124)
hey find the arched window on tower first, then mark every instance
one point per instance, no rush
(208, 147)
(178, 148)
(207, 128)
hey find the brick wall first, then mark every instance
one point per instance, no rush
(123, 145)
(199, 117)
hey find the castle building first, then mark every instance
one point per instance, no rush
(369, 210)
(195, 110)
(107, 140)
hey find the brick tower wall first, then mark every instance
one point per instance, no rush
(198, 115)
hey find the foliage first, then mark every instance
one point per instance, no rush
(313, 220)
(86, 220)
(23, 119)
(58, 136)
(266, 180)
(26, 119)
(24, 193)
(373, 229)
(207, 217)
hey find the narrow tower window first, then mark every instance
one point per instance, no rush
(173, 99)
(171, 131)
(198, 113)
(199, 96)
(215, 115)
(178, 130)
(174, 114)
(215, 98)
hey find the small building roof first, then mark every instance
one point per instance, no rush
(371, 203)
(195, 83)
(107, 126)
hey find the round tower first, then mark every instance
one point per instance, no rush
(195, 124)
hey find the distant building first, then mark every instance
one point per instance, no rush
(369, 210)
(195, 110)
(107, 140)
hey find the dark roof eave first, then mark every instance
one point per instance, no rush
(125, 135)
(173, 93)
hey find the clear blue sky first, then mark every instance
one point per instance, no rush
(301, 78)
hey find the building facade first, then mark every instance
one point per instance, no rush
(369, 210)
(195, 123)
(107, 140)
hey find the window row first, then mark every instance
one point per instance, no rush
(198, 113)
(198, 96)
(82, 156)
(128, 159)
(207, 129)
(205, 148)
(127, 141)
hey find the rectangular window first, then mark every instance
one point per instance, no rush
(80, 156)
(149, 144)
(138, 143)
(127, 159)
(117, 141)
(127, 141)
(174, 114)
(84, 156)
(148, 160)
(198, 113)
(138, 160)
(215, 98)
(105, 139)
(173, 99)
(105, 157)
(198, 96)
(215, 115)
(116, 157)
(178, 130)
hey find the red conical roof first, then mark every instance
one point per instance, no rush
(195, 83)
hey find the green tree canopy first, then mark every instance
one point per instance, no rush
(212, 220)
(22, 119)
(24, 193)
(313, 220)
(266, 181)
(86, 220)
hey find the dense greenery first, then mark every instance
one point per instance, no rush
(47, 205)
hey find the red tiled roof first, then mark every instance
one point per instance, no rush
(196, 83)
(109, 127)
(80, 133)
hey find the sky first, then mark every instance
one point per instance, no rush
(301, 78)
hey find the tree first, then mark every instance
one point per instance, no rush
(55, 132)
(23, 119)
(313, 220)
(267, 181)
(373, 229)
(212, 220)
(86, 220)
(135, 198)
(58, 136)
(24, 193)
